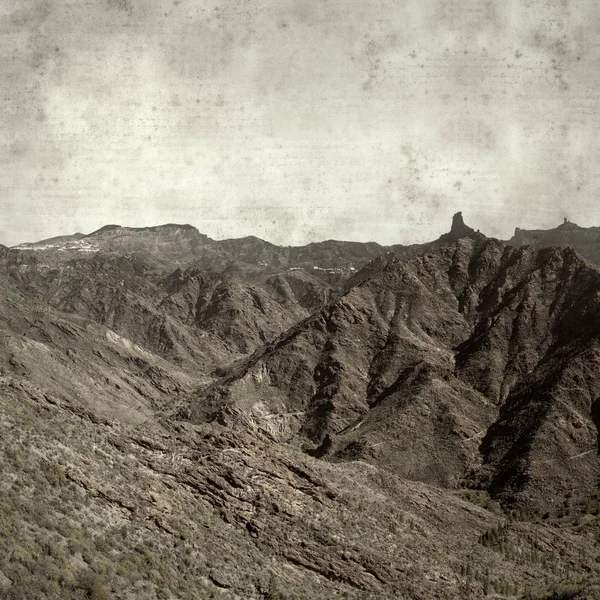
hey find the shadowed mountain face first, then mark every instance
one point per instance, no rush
(459, 230)
(182, 417)
(585, 240)
(308, 276)
(477, 360)
(195, 318)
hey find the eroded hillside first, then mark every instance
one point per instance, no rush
(185, 418)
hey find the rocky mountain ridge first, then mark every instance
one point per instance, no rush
(448, 346)
(585, 240)
(180, 420)
(174, 245)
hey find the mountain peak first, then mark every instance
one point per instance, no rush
(103, 230)
(459, 229)
(141, 230)
(458, 223)
(566, 224)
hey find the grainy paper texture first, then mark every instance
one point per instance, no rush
(297, 120)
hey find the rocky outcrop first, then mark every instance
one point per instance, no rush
(425, 426)
(459, 230)
(584, 240)
(196, 318)
(127, 511)
(409, 368)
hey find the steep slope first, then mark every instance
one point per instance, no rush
(242, 317)
(327, 461)
(297, 286)
(393, 332)
(534, 350)
(195, 318)
(95, 509)
(408, 368)
(75, 362)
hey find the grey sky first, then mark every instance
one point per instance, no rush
(298, 120)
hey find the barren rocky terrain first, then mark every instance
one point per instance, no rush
(188, 418)
(586, 240)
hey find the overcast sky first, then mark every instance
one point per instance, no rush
(298, 120)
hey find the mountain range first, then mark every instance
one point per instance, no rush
(189, 418)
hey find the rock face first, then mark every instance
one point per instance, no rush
(305, 276)
(419, 363)
(459, 230)
(182, 418)
(194, 317)
(584, 240)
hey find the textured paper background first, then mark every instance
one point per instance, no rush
(298, 120)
